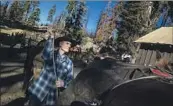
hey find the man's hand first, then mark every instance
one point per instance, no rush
(60, 83)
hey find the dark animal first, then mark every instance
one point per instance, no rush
(147, 91)
(96, 80)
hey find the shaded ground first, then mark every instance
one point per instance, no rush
(11, 66)
(12, 62)
(11, 86)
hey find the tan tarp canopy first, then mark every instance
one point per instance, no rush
(163, 35)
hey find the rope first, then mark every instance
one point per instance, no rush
(57, 92)
(53, 43)
(54, 57)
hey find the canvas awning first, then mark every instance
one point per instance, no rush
(163, 35)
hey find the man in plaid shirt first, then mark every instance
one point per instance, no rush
(43, 90)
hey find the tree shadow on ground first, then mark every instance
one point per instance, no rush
(11, 53)
(8, 69)
(8, 81)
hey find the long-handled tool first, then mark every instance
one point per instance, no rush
(54, 67)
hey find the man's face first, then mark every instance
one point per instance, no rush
(65, 46)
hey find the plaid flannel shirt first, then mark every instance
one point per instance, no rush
(44, 87)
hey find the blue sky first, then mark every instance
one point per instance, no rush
(94, 10)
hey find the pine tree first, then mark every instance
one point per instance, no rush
(59, 22)
(76, 11)
(167, 12)
(106, 24)
(79, 20)
(34, 5)
(51, 13)
(27, 10)
(16, 11)
(34, 17)
(3, 8)
(137, 19)
(71, 7)
(100, 27)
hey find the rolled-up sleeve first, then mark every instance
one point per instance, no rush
(69, 76)
(48, 49)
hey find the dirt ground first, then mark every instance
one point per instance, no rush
(11, 87)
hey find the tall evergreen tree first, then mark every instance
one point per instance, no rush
(16, 11)
(167, 12)
(51, 13)
(3, 7)
(79, 20)
(34, 17)
(34, 5)
(59, 21)
(106, 24)
(137, 19)
(27, 10)
(76, 17)
(71, 7)
(100, 27)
